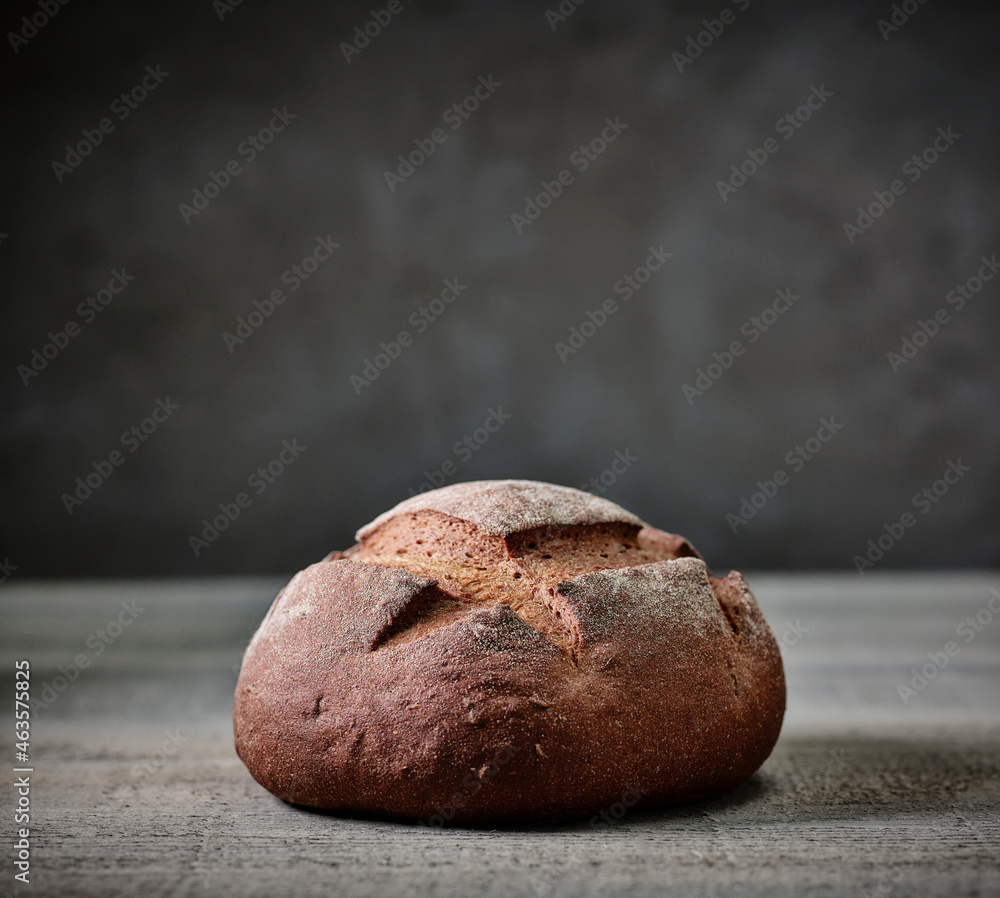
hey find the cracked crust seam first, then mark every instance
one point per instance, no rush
(458, 584)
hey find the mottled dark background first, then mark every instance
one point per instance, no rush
(323, 176)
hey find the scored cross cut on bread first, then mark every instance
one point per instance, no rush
(514, 545)
(508, 614)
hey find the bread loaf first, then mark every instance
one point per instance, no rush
(508, 650)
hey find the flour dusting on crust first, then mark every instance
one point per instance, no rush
(504, 507)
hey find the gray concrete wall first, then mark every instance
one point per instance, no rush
(878, 103)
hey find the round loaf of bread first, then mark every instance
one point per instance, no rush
(508, 650)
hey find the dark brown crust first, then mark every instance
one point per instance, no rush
(459, 668)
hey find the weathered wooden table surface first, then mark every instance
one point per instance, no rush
(136, 789)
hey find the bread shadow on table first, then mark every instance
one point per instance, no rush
(806, 779)
(747, 791)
